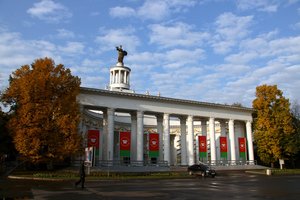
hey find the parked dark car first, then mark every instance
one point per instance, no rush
(202, 170)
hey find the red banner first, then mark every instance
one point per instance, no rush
(93, 138)
(242, 144)
(125, 141)
(223, 144)
(202, 144)
(153, 142)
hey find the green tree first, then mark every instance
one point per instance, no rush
(6, 145)
(46, 114)
(296, 125)
(273, 129)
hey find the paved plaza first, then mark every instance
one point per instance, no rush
(231, 185)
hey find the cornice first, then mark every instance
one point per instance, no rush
(86, 90)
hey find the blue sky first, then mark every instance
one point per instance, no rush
(206, 50)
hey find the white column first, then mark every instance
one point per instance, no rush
(125, 77)
(183, 140)
(203, 127)
(119, 78)
(159, 119)
(232, 141)
(212, 140)
(110, 134)
(133, 146)
(140, 136)
(166, 126)
(114, 77)
(190, 140)
(249, 141)
(128, 77)
(104, 136)
(110, 77)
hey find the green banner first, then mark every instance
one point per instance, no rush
(243, 155)
(223, 154)
(202, 154)
(125, 153)
(153, 154)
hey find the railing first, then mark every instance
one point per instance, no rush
(229, 162)
(135, 163)
(130, 163)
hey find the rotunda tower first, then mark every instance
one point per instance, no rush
(120, 74)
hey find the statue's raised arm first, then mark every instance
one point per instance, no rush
(121, 55)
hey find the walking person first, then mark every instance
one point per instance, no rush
(82, 176)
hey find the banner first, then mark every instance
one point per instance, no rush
(223, 147)
(153, 145)
(125, 144)
(242, 147)
(93, 138)
(202, 146)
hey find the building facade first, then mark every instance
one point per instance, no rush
(135, 128)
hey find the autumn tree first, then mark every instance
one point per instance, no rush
(273, 131)
(46, 114)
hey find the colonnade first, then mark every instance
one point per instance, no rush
(186, 136)
(120, 76)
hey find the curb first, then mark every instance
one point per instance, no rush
(35, 178)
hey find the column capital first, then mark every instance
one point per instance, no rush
(230, 121)
(166, 115)
(182, 117)
(133, 115)
(140, 113)
(159, 117)
(110, 110)
(248, 121)
(190, 118)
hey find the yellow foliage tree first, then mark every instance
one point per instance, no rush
(46, 114)
(273, 132)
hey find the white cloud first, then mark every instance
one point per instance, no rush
(260, 5)
(178, 58)
(241, 57)
(65, 34)
(179, 34)
(122, 12)
(115, 37)
(229, 30)
(50, 11)
(232, 69)
(154, 9)
(16, 51)
(72, 48)
(148, 58)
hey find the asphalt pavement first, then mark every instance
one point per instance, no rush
(232, 185)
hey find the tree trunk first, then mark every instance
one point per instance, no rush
(50, 165)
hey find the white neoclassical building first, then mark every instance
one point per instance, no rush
(124, 126)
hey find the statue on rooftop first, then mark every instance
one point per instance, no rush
(121, 54)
